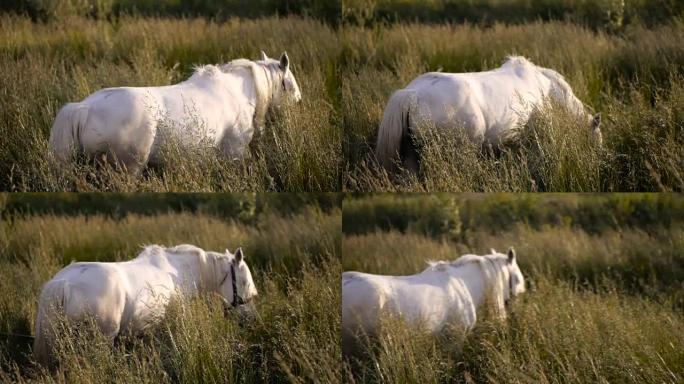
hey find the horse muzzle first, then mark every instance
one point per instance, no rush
(243, 310)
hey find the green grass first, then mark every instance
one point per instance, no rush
(45, 65)
(634, 78)
(295, 261)
(603, 305)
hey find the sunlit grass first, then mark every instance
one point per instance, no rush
(47, 65)
(604, 300)
(295, 262)
(633, 78)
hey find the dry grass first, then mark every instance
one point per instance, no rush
(634, 78)
(47, 65)
(602, 306)
(295, 262)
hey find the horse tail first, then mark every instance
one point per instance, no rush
(395, 124)
(66, 130)
(51, 303)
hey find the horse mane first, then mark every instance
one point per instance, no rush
(490, 266)
(517, 61)
(513, 60)
(263, 96)
(463, 260)
(208, 70)
(206, 259)
(560, 87)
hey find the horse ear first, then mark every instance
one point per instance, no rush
(264, 56)
(238, 255)
(511, 255)
(284, 61)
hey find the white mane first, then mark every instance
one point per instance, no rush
(513, 60)
(560, 87)
(208, 70)
(262, 86)
(259, 78)
(465, 259)
(207, 260)
(491, 266)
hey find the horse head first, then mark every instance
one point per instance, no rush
(516, 281)
(595, 128)
(236, 286)
(288, 88)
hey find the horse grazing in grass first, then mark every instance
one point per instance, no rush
(128, 297)
(445, 292)
(221, 106)
(489, 105)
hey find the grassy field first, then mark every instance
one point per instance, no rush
(295, 262)
(604, 304)
(632, 75)
(45, 65)
(348, 65)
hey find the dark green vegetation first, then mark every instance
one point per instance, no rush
(632, 76)
(605, 300)
(611, 14)
(327, 10)
(45, 65)
(294, 256)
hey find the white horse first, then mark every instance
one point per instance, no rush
(128, 297)
(445, 292)
(218, 105)
(489, 105)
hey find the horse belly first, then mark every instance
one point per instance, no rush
(420, 305)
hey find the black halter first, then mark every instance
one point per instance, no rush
(237, 300)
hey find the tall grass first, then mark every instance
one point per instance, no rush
(634, 78)
(604, 302)
(453, 216)
(295, 262)
(47, 65)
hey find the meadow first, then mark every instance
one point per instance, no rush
(623, 59)
(45, 64)
(295, 261)
(632, 74)
(604, 302)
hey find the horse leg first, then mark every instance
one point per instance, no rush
(409, 153)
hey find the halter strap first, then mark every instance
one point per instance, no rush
(237, 299)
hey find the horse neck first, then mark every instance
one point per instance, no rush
(475, 278)
(196, 271)
(498, 281)
(265, 81)
(213, 271)
(562, 93)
